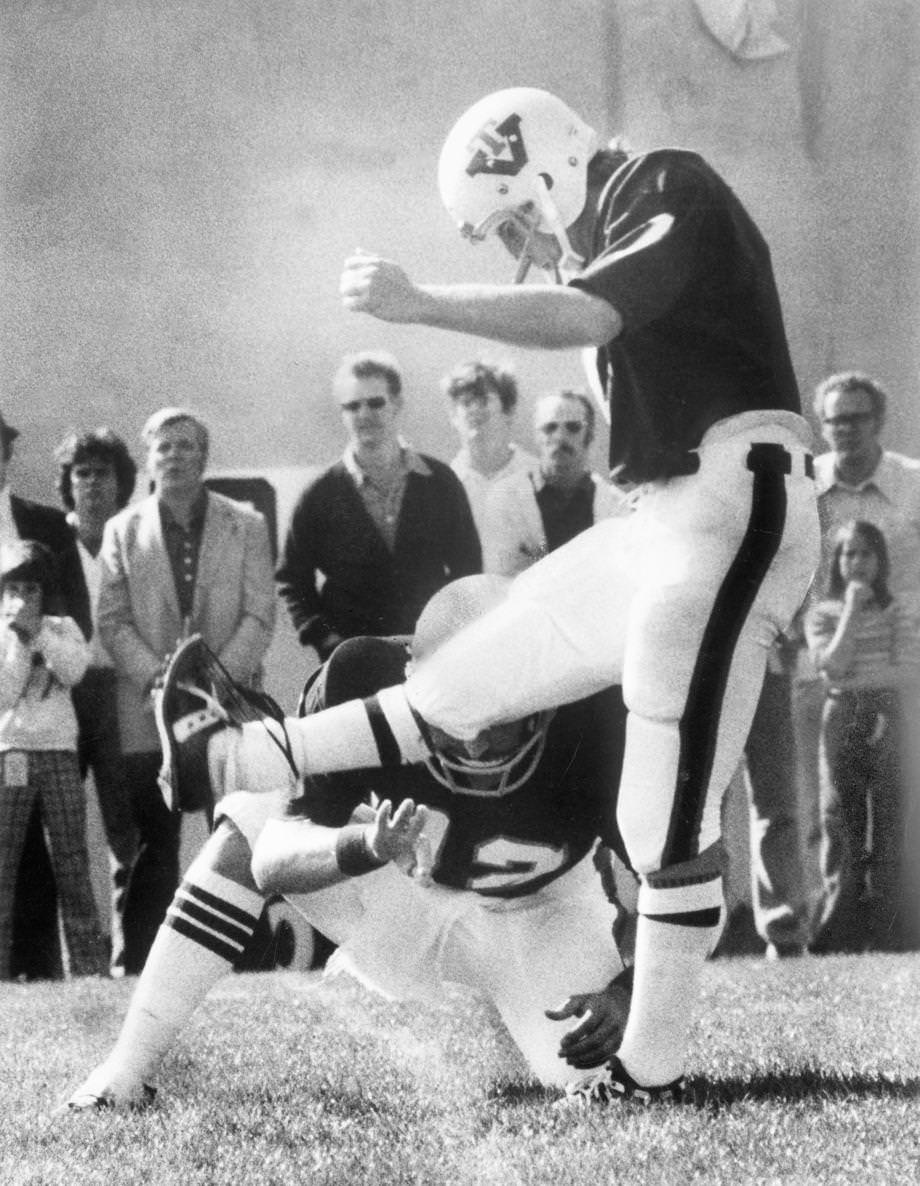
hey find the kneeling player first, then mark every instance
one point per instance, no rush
(496, 835)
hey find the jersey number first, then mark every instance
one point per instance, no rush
(499, 863)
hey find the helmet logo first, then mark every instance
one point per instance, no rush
(498, 149)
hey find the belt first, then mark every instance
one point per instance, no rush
(763, 457)
(769, 457)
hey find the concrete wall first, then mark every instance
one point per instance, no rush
(181, 181)
(821, 143)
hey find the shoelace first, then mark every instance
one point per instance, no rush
(597, 1089)
(209, 698)
(248, 703)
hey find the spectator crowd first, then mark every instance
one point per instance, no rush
(96, 595)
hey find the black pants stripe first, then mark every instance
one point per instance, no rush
(699, 725)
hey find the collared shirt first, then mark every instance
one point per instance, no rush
(889, 498)
(183, 545)
(7, 523)
(883, 643)
(384, 501)
(517, 534)
(477, 485)
(565, 512)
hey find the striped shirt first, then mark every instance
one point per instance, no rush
(889, 498)
(883, 648)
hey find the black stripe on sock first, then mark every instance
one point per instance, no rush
(203, 938)
(384, 737)
(235, 933)
(692, 918)
(244, 917)
(699, 725)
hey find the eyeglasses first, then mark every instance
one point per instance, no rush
(849, 419)
(572, 427)
(472, 399)
(374, 402)
(84, 473)
(180, 446)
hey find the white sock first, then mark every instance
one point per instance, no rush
(209, 922)
(669, 966)
(249, 759)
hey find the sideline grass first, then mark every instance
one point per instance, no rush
(806, 1071)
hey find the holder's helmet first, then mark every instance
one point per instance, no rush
(503, 757)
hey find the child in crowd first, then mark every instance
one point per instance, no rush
(41, 658)
(862, 641)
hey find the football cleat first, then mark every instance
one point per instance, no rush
(612, 1083)
(188, 713)
(92, 1098)
(198, 699)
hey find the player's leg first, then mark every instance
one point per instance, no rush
(558, 637)
(533, 955)
(680, 896)
(389, 930)
(692, 677)
(211, 919)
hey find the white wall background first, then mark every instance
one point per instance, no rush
(182, 178)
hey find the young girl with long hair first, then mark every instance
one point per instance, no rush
(862, 642)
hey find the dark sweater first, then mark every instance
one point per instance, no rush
(367, 588)
(49, 526)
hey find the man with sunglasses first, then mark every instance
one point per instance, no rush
(530, 514)
(859, 479)
(377, 533)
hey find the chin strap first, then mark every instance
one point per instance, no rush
(570, 264)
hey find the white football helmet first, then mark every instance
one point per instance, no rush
(518, 156)
(506, 755)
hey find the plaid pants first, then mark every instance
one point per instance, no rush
(53, 780)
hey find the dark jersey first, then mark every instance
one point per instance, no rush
(681, 261)
(502, 845)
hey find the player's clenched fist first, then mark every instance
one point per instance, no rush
(380, 287)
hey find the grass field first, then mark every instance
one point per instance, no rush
(805, 1071)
